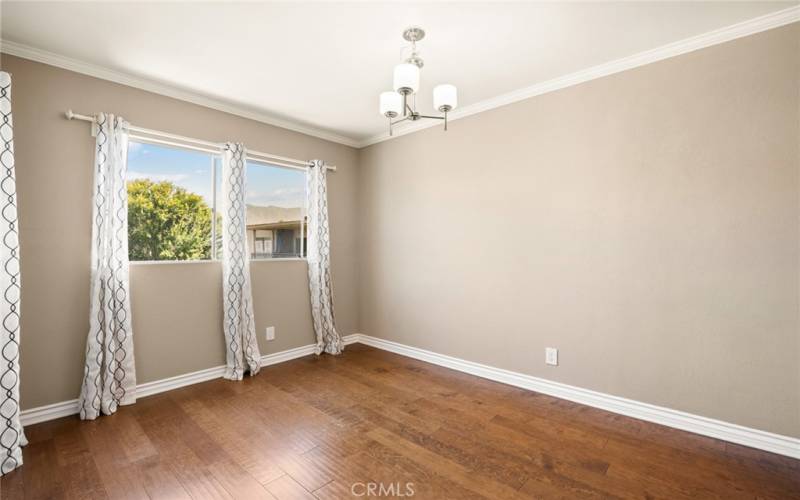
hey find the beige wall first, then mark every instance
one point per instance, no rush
(646, 224)
(177, 307)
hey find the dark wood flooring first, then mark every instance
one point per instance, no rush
(329, 427)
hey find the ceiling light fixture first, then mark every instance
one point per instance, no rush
(406, 85)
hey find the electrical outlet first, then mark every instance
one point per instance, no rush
(270, 333)
(551, 356)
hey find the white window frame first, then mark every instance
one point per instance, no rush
(216, 157)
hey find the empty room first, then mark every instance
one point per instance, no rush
(433, 250)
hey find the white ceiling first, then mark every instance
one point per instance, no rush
(323, 65)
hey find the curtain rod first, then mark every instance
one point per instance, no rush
(158, 137)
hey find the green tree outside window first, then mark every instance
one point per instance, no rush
(167, 222)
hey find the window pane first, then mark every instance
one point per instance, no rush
(275, 211)
(170, 203)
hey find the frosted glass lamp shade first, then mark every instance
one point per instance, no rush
(406, 78)
(391, 104)
(445, 97)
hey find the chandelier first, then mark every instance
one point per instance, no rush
(406, 84)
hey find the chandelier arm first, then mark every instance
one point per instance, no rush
(433, 117)
(398, 121)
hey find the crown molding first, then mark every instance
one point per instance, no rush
(43, 56)
(722, 35)
(750, 27)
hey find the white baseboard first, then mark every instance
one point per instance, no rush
(67, 408)
(48, 412)
(754, 438)
(767, 441)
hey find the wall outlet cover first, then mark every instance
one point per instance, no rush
(270, 333)
(551, 356)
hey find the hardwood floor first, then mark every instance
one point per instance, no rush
(330, 427)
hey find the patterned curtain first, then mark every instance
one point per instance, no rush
(319, 258)
(237, 297)
(109, 379)
(11, 435)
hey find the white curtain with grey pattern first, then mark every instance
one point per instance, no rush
(109, 378)
(239, 322)
(319, 260)
(11, 434)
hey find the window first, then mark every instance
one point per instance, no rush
(172, 201)
(276, 223)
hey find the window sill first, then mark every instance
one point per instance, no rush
(162, 262)
(279, 259)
